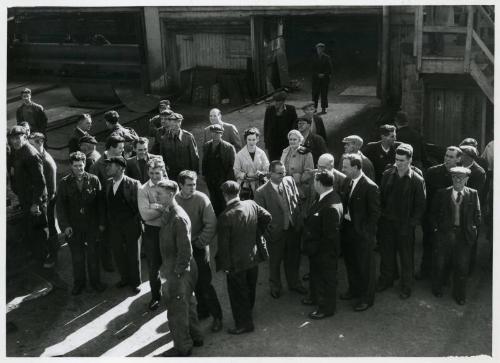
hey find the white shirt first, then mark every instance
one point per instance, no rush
(354, 182)
(386, 150)
(322, 195)
(116, 184)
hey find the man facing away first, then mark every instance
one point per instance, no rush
(83, 126)
(241, 248)
(321, 73)
(203, 227)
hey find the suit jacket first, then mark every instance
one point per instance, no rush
(276, 128)
(227, 157)
(477, 178)
(379, 159)
(269, 199)
(322, 225)
(130, 190)
(81, 210)
(231, 135)
(239, 228)
(316, 144)
(363, 206)
(436, 177)
(180, 153)
(39, 122)
(134, 171)
(321, 64)
(29, 179)
(74, 141)
(442, 219)
(319, 126)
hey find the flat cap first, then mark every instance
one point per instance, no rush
(469, 150)
(26, 90)
(175, 116)
(320, 45)
(120, 160)
(460, 170)
(164, 102)
(304, 119)
(88, 139)
(167, 112)
(37, 135)
(17, 130)
(280, 96)
(308, 104)
(352, 138)
(216, 128)
(469, 141)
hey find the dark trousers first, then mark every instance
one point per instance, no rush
(241, 289)
(35, 238)
(320, 87)
(126, 250)
(84, 251)
(451, 250)
(181, 310)
(216, 197)
(208, 303)
(323, 281)
(359, 259)
(427, 238)
(151, 245)
(284, 248)
(396, 240)
(105, 250)
(473, 253)
(52, 242)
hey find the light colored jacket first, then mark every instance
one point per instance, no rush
(244, 165)
(145, 197)
(298, 165)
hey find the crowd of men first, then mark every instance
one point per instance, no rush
(141, 195)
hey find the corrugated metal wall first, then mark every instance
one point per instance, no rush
(213, 50)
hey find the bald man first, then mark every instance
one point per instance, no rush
(230, 134)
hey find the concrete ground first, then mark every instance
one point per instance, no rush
(116, 324)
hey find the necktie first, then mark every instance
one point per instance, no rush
(459, 198)
(351, 186)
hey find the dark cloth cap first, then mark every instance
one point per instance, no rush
(469, 150)
(308, 104)
(280, 96)
(89, 139)
(320, 45)
(469, 141)
(37, 135)
(175, 116)
(120, 160)
(460, 170)
(305, 119)
(164, 102)
(216, 128)
(166, 112)
(17, 130)
(26, 90)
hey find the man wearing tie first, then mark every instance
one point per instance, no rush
(359, 230)
(137, 166)
(280, 197)
(456, 216)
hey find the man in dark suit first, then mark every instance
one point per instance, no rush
(29, 186)
(402, 196)
(382, 153)
(321, 72)
(230, 132)
(312, 142)
(32, 113)
(82, 128)
(359, 230)
(80, 214)
(456, 216)
(87, 145)
(279, 119)
(353, 145)
(123, 222)
(408, 135)
(317, 124)
(436, 177)
(280, 197)
(217, 165)
(321, 243)
(240, 249)
(137, 166)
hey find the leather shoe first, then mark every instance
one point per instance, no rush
(77, 290)
(382, 287)
(238, 331)
(99, 287)
(299, 289)
(198, 343)
(307, 301)
(216, 325)
(346, 296)
(120, 284)
(175, 353)
(135, 290)
(275, 294)
(154, 305)
(405, 294)
(318, 315)
(362, 306)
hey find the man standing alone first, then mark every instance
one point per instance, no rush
(321, 72)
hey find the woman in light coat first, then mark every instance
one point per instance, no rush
(251, 163)
(298, 161)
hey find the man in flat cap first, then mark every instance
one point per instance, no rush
(29, 186)
(230, 132)
(455, 217)
(87, 145)
(123, 222)
(352, 145)
(160, 131)
(82, 128)
(279, 119)
(217, 165)
(321, 73)
(312, 142)
(32, 113)
(37, 139)
(402, 196)
(155, 122)
(178, 148)
(317, 125)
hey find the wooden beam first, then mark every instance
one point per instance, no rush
(385, 55)
(444, 29)
(483, 47)
(418, 30)
(442, 65)
(483, 123)
(257, 43)
(468, 39)
(485, 15)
